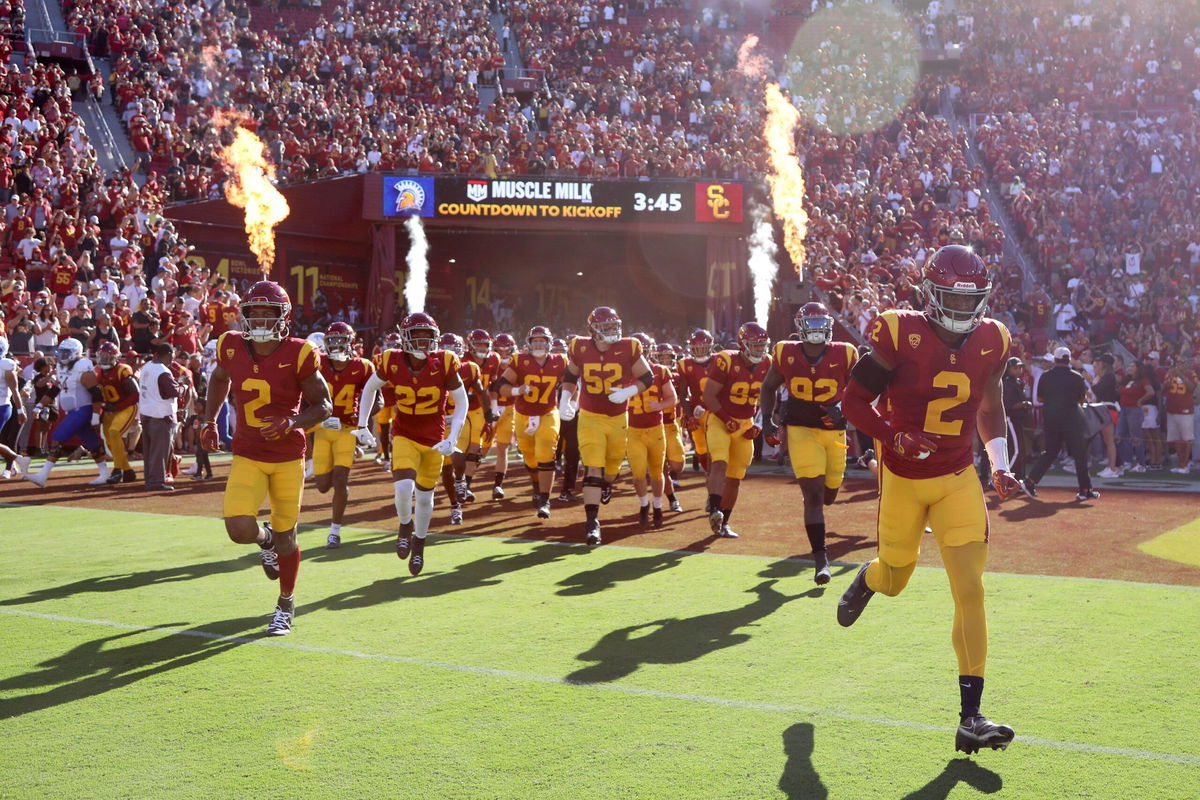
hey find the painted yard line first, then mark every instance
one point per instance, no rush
(529, 677)
(306, 527)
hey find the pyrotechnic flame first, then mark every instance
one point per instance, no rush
(249, 187)
(752, 66)
(763, 268)
(786, 177)
(417, 284)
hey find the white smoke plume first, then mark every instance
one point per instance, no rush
(417, 284)
(763, 267)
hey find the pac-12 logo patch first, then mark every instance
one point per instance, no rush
(914, 340)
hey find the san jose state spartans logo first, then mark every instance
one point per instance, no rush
(410, 197)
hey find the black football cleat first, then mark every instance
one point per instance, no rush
(268, 556)
(117, 477)
(675, 507)
(821, 567)
(658, 518)
(567, 497)
(281, 620)
(1090, 494)
(644, 516)
(129, 476)
(978, 732)
(1029, 487)
(404, 540)
(855, 598)
(543, 507)
(417, 561)
(592, 537)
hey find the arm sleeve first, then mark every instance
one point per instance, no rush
(367, 404)
(459, 395)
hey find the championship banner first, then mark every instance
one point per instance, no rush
(564, 199)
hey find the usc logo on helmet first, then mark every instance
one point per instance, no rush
(718, 203)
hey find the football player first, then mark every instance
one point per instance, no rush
(479, 351)
(505, 429)
(815, 371)
(317, 340)
(533, 378)
(334, 439)
(731, 391)
(938, 372)
(423, 378)
(269, 374)
(646, 439)
(458, 466)
(666, 356)
(120, 390)
(81, 402)
(694, 369)
(383, 419)
(567, 451)
(606, 370)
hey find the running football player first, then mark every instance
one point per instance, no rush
(422, 378)
(606, 370)
(665, 355)
(815, 371)
(269, 374)
(532, 379)
(383, 419)
(505, 428)
(731, 391)
(646, 440)
(479, 416)
(81, 401)
(939, 373)
(334, 440)
(694, 369)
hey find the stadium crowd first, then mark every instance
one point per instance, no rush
(1099, 181)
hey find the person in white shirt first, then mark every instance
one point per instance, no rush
(157, 407)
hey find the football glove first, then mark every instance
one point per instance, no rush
(622, 395)
(1006, 484)
(833, 417)
(444, 448)
(566, 409)
(365, 438)
(690, 422)
(331, 423)
(276, 428)
(913, 445)
(699, 411)
(752, 432)
(531, 428)
(210, 440)
(521, 389)
(731, 424)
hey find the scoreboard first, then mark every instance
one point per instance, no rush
(716, 204)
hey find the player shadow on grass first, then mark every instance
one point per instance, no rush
(1031, 509)
(109, 663)
(796, 566)
(958, 770)
(627, 569)
(676, 641)
(482, 572)
(134, 580)
(800, 780)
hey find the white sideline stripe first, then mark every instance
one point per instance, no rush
(528, 677)
(308, 527)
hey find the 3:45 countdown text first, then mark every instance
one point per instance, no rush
(665, 201)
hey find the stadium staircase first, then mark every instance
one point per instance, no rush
(44, 20)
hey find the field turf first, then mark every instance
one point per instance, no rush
(134, 666)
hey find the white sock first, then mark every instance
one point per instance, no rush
(423, 513)
(658, 501)
(403, 497)
(105, 469)
(335, 529)
(644, 500)
(44, 472)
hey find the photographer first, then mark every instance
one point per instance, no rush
(1061, 391)
(1019, 410)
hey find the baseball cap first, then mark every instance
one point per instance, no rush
(1015, 362)
(1062, 354)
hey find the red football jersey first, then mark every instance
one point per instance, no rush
(681, 389)
(692, 374)
(741, 382)
(490, 368)
(640, 415)
(420, 393)
(603, 372)
(468, 371)
(1179, 399)
(813, 385)
(543, 380)
(265, 388)
(935, 389)
(346, 387)
(389, 394)
(110, 380)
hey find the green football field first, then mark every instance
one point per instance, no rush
(133, 666)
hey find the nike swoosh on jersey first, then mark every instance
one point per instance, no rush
(281, 366)
(985, 352)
